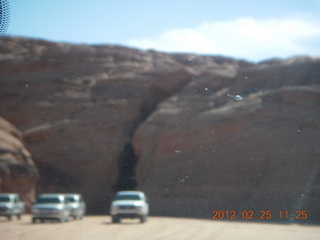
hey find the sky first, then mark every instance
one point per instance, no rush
(252, 30)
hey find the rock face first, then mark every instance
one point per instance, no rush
(78, 107)
(260, 153)
(196, 133)
(17, 170)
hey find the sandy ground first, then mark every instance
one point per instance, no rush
(100, 227)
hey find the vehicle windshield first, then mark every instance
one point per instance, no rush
(4, 199)
(48, 200)
(128, 197)
(71, 199)
(205, 110)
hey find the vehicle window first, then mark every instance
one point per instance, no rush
(48, 200)
(127, 197)
(210, 108)
(71, 199)
(4, 199)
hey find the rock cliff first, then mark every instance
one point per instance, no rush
(196, 133)
(248, 144)
(17, 170)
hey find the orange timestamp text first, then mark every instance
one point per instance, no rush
(263, 214)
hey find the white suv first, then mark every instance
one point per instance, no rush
(51, 206)
(76, 205)
(129, 204)
(10, 205)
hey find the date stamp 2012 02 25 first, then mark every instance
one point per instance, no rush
(263, 214)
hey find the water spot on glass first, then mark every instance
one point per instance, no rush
(236, 97)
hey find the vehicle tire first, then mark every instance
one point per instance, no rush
(9, 217)
(34, 220)
(115, 219)
(61, 220)
(19, 216)
(143, 219)
(77, 217)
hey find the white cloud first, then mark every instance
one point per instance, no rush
(242, 38)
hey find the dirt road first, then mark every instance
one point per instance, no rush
(100, 227)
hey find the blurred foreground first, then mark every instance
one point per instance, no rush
(100, 227)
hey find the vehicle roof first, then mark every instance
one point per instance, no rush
(130, 193)
(51, 195)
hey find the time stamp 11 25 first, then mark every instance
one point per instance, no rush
(263, 214)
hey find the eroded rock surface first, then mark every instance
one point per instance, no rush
(17, 170)
(196, 133)
(250, 144)
(78, 107)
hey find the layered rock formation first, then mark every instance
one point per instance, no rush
(78, 107)
(236, 148)
(196, 133)
(17, 170)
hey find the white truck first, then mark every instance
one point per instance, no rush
(10, 205)
(76, 204)
(129, 204)
(51, 206)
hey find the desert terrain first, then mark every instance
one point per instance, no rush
(100, 227)
(190, 131)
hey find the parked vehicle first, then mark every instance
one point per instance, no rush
(129, 204)
(10, 205)
(51, 207)
(76, 205)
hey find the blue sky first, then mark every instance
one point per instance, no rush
(248, 29)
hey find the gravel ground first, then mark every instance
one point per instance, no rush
(100, 227)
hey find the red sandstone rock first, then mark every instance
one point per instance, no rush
(252, 145)
(209, 133)
(17, 171)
